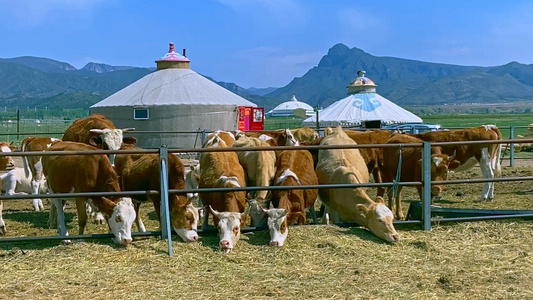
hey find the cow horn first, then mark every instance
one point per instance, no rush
(95, 130)
(453, 156)
(127, 129)
(214, 212)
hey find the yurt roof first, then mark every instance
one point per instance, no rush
(292, 105)
(173, 83)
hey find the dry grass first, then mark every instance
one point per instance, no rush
(460, 261)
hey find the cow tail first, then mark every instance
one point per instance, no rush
(25, 163)
(497, 153)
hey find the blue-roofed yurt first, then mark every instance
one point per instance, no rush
(362, 105)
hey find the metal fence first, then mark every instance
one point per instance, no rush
(164, 191)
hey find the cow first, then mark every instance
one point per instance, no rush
(487, 155)
(305, 134)
(281, 137)
(15, 182)
(32, 165)
(373, 156)
(6, 162)
(227, 136)
(347, 166)
(411, 168)
(293, 168)
(88, 173)
(259, 168)
(141, 172)
(96, 130)
(223, 170)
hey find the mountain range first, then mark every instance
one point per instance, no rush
(38, 82)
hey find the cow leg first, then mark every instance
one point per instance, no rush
(138, 220)
(376, 173)
(313, 215)
(486, 169)
(52, 216)
(61, 227)
(206, 220)
(37, 203)
(82, 215)
(2, 224)
(399, 210)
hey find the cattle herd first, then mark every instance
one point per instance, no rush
(231, 210)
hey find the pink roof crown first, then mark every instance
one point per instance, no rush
(172, 55)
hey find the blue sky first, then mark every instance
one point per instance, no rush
(261, 43)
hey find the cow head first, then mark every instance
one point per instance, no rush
(229, 228)
(214, 141)
(440, 165)
(111, 139)
(121, 219)
(185, 220)
(291, 140)
(378, 218)
(278, 225)
(6, 162)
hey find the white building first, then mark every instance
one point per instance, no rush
(172, 98)
(362, 105)
(286, 109)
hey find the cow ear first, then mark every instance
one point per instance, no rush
(129, 140)
(380, 200)
(454, 164)
(361, 210)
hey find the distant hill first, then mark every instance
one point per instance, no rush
(42, 82)
(42, 64)
(407, 82)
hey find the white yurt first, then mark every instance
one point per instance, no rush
(173, 98)
(363, 105)
(286, 109)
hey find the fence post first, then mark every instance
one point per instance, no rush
(164, 211)
(204, 136)
(18, 124)
(511, 157)
(426, 185)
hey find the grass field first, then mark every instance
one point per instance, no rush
(488, 260)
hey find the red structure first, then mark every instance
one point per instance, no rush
(251, 118)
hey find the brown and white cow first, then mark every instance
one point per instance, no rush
(259, 168)
(6, 162)
(96, 130)
(411, 168)
(293, 168)
(305, 134)
(223, 170)
(347, 166)
(373, 156)
(32, 165)
(487, 155)
(141, 172)
(88, 173)
(281, 137)
(227, 136)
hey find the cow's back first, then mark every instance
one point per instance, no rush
(83, 173)
(214, 165)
